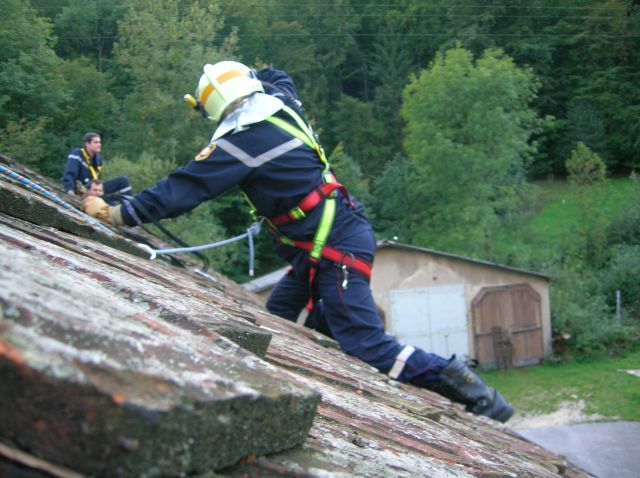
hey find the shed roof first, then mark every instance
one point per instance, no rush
(267, 281)
(406, 247)
(114, 365)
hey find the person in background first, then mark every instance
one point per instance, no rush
(263, 143)
(95, 188)
(85, 164)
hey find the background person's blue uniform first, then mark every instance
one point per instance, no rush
(78, 168)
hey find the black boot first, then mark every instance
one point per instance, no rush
(458, 383)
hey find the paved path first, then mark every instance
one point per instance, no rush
(606, 450)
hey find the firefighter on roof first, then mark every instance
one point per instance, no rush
(85, 165)
(264, 144)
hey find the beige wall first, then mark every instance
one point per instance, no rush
(406, 269)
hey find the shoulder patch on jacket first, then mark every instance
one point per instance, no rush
(206, 152)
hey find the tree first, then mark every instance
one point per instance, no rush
(468, 130)
(31, 84)
(599, 63)
(585, 167)
(392, 205)
(87, 28)
(175, 40)
(587, 175)
(33, 91)
(350, 175)
(359, 130)
(92, 107)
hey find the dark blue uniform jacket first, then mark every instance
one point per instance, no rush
(78, 170)
(274, 183)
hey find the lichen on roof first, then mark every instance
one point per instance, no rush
(114, 365)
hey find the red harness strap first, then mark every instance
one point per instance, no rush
(340, 258)
(312, 199)
(334, 255)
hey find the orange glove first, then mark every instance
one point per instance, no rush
(96, 207)
(80, 188)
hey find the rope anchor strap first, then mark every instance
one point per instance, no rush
(252, 231)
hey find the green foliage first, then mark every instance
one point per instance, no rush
(583, 295)
(143, 173)
(392, 205)
(23, 142)
(174, 42)
(625, 228)
(580, 309)
(348, 173)
(585, 124)
(359, 131)
(587, 174)
(623, 274)
(600, 67)
(31, 85)
(92, 107)
(585, 167)
(87, 28)
(468, 129)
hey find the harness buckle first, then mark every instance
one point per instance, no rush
(345, 276)
(296, 214)
(345, 269)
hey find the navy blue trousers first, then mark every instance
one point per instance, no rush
(349, 315)
(115, 187)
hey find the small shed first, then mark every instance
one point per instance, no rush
(449, 304)
(446, 304)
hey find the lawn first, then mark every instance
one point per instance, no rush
(554, 218)
(602, 383)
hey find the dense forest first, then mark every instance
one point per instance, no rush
(438, 116)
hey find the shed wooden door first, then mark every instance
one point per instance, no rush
(508, 317)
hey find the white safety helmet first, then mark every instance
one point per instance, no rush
(222, 84)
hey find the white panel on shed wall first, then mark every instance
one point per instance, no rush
(448, 320)
(410, 317)
(433, 318)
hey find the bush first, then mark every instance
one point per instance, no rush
(625, 229)
(623, 274)
(23, 141)
(143, 173)
(581, 312)
(585, 167)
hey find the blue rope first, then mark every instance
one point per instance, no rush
(36, 187)
(252, 231)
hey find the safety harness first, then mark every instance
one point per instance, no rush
(326, 194)
(95, 172)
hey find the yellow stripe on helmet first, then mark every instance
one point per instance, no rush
(229, 75)
(205, 94)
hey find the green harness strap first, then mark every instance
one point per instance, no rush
(303, 133)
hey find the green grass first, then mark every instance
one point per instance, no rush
(600, 383)
(562, 210)
(537, 241)
(556, 212)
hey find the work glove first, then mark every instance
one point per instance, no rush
(80, 188)
(96, 207)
